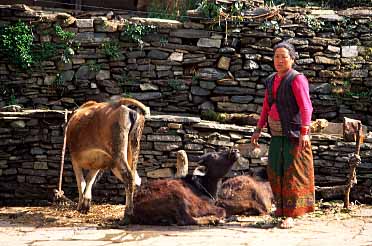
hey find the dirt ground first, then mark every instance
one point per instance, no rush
(53, 225)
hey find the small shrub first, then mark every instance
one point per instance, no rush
(213, 116)
(136, 31)
(16, 44)
(66, 37)
(313, 23)
(111, 49)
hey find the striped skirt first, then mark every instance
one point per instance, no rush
(291, 177)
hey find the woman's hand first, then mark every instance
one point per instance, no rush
(304, 142)
(254, 139)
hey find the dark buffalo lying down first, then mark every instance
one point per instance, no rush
(245, 195)
(188, 200)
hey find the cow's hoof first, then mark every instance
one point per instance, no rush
(126, 220)
(84, 206)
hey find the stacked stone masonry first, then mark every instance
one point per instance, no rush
(187, 68)
(31, 144)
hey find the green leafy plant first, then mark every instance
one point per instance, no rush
(313, 23)
(58, 84)
(175, 84)
(94, 67)
(237, 8)
(136, 31)
(212, 115)
(44, 51)
(368, 53)
(12, 98)
(195, 78)
(59, 81)
(345, 89)
(67, 38)
(163, 40)
(210, 9)
(16, 43)
(270, 25)
(111, 49)
(171, 10)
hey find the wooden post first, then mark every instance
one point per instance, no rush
(353, 165)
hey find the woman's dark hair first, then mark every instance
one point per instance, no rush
(289, 47)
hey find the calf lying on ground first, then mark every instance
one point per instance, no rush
(188, 200)
(245, 195)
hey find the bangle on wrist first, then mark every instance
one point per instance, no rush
(305, 130)
(258, 130)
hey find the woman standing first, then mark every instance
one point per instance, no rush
(287, 113)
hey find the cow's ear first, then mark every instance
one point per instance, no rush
(200, 171)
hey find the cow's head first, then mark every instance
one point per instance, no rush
(217, 164)
(213, 167)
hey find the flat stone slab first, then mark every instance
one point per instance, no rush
(173, 118)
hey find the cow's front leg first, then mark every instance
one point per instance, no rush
(87, 196)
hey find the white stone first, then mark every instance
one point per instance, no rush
(176, 56)
(209, 43)
(149, 87)
(333, 49)
(349, 51)
(84, 23)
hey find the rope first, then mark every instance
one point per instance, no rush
(201, 187)
(60, 192)
(354, 162)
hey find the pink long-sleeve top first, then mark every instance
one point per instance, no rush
(300, 88)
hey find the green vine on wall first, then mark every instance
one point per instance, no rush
(345, 89)
(136, 32)
(67, 40)
(213, 116)
(270, 25)
(210, 9)
(175, 84)
(111, 49)
(16, 43)
(312, 22)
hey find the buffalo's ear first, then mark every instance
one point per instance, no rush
(200, 171)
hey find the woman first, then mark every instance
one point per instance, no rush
(287, 112)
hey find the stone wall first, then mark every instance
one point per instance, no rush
(31, 143)
(191, 67)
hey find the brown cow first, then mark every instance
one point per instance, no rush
(106, 136)
(185, 201)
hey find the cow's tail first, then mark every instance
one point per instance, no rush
(130, 101)
(59, 194)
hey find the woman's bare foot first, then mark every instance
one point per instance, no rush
(287, 223)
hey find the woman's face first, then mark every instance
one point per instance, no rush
(282, 60)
